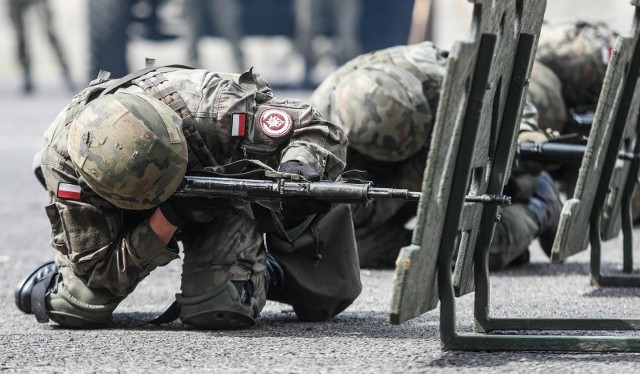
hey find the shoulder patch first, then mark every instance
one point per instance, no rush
(238, 124)
(69, 191)
(275, 123)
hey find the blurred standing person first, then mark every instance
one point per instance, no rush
(108, 37)
(309, 24)
(17, 12)
(225, 14)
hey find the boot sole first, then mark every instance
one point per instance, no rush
(220, 320)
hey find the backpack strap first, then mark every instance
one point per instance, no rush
(159, 87)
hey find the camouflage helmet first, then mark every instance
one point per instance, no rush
(129, 148)
(578, 53)
(383, 112)
(545, 93)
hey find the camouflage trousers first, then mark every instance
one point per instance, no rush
(512, 235)
(223, 245)
(379, 247)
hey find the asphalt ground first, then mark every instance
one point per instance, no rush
(358, 340)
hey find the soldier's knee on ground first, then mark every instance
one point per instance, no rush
(513, 234)
(67, 310)
(231, 305)
(67, 301)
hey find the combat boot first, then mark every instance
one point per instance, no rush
(546, 205)
(230, 305)
(25, 287)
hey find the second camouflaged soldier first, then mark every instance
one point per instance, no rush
(386, 103)
(114, 157)
(571, 61)
(566, 80)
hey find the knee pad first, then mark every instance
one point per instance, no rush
(65, 309)
(225, 307)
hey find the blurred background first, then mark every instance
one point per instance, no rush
(293, 43)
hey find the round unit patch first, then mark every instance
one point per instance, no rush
(275, 123)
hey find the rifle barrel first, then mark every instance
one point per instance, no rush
(196, 186)
(551, 152)
(560, 153)
(344, 192)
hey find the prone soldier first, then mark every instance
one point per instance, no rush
(566, 80)
(567, 76)
(386, 103)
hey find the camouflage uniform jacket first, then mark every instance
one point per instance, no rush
(428, 63)
(91, 234)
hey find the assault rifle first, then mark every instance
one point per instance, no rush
(560, 151)
(283, 185)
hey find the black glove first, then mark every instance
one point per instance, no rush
(174, 212)
(295, 209)
(180, 211)
(296, 167)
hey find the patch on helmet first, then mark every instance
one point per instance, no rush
(275, 123)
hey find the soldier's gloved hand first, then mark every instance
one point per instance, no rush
(296, 209)
(180, 211)
(530, 166)
(174, 212)
(296, 167)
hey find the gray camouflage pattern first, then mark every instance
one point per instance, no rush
(576, 51)
(112, 249)
(545, 93)
(383, 112)
(129, 149)
(380, 225)
(424, 60)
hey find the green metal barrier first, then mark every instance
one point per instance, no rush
(599, 211)
(479, 111)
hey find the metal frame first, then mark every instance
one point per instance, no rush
(453, 191)
(596, 214)
(518, 342)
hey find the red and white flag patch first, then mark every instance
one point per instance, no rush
(275, 123)
(69, 191)
(238, 124)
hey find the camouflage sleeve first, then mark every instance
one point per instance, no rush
(529, 121)
(317, 142)
(407, 174)
(90, 232)
(288, 129)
